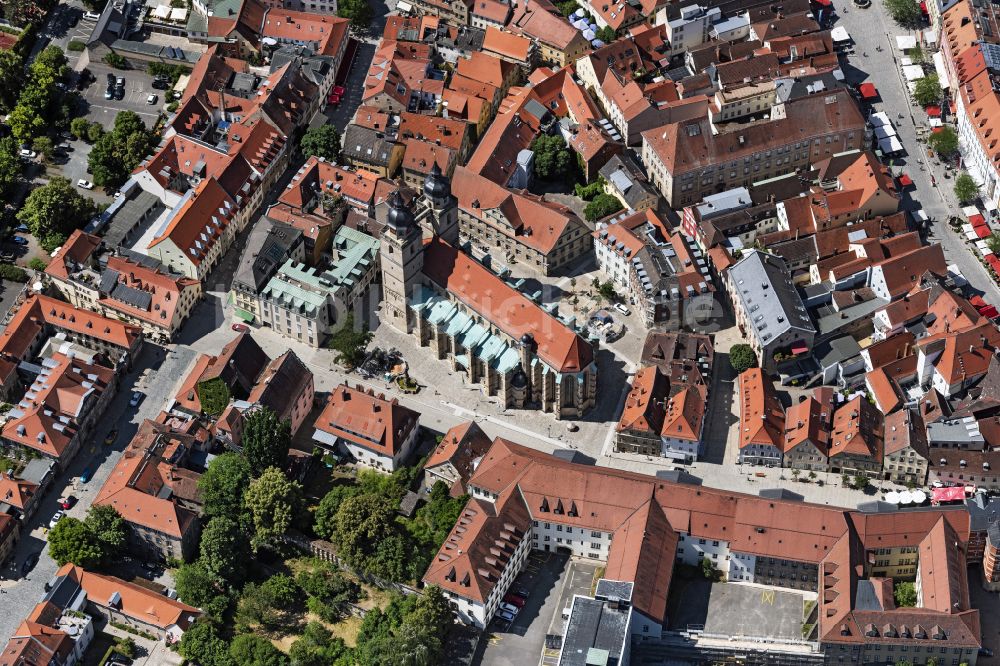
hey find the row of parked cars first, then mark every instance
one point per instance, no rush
(511, 605)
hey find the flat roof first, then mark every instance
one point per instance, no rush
(594, 624)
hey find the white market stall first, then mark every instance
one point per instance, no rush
(905, 42)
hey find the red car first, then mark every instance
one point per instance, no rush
(514, 600)
(339, 90)
(333, 99)
(241, 328)
(67, 502)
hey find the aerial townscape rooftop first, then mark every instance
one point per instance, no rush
(488, 332)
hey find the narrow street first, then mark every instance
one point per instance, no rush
(871, 28)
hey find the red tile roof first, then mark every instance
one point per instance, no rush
(559, 347)
(367, 420)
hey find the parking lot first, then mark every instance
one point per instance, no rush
(138, 87)
(552, 580)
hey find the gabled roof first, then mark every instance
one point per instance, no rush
(367, 420)
(280, 385)
(558, 346)
(645, 404)
(198, 221)
(507, 44)
(77, 250)
(808, 422)
(461, 447)
(857, 430)
(762, 418)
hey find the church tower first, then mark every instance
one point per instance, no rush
(439, 207)
(401, 254)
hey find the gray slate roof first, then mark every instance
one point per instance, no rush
(762, 283)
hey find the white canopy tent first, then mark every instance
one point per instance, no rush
(879, 119)
(913, 72)
(884, 132)
(905, 42)
(890, 145)
(840, 34)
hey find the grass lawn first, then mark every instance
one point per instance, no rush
(347, 630)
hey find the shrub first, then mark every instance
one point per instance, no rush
(742, 358)
(76, 45)
(13, 273)
(37, 264)
(116, 61)
(214, 396)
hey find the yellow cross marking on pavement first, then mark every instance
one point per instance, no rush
(767, 597)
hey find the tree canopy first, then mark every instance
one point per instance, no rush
(11, 78)
(203, 645)
(11, 165)
(350, 342)
(53, 211)
(223, 485)
(904, 12)
(410, 630)
(359, 12)
(39, 102)
(109, 528)
(317, 647)
(742, 358)
(273, 501)
(965, 188)
(254, 650)
(553, 158)
(266, 439)
(927, 91)
(944, 142)
(72, 541)
(322, 141)
(116, 153)
(601, 206)
(223, 549)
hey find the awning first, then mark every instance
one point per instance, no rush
(994, 262)
(977, 220)
(890, 145)
(243, 314)
(905, 181)
(868, 91)
(823, 3)
(923, 7)
(983, 232)
(933, 110)
(905, 42)
(799, 348)
(989, 312)
(935, 130)
(941, 70)
(840, 34)
(939, 495)
(977, 302)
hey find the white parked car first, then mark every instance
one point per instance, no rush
(621, 308)
(506, 616)
(55, 519)
(85, 184)
(510, 608)
(91, 16)
(151, 99)
(30, 154)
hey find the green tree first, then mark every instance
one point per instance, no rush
(607, 290)
(44, 146)
(116, 153)
(993, 242)
(54, 210)
(213, 395)
(861, 481)
(37, 264)
(322, 141)
(108, 528)
(362, 523)
(94, 132)
(266, 439)
(944, 142)
(198, 586)
(905, 594)
(927, 91)
(904, 12)
(72, 541)
(223, 485)
(254, 650)
(78, 127)
(434, 520)
(601, 206)
(203, 645)
(317, 647)
(965, 188)
(223, 548)
(350, 342)
(11, 165)
(709, 570)
(553, 158)
(267, 605)
(330, 588)
(11, 78)
(742, 358)
(326, 513)
(359, 12)
(606, 34)
(567, 7)
(273, 501)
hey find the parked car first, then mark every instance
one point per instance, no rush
(21, 228)
(241, 328)
(160, 84)
(621, 308)
(136, 398)
(91, 16)
(56, 518)
(7, 257)
(28, 153)
(522, 592)
(111, 79)
(506, 616)
(85, 184)
(86, 475)
(338, 90)
(514, 600)
(20, 240)
(510, 608)
(985, 652)
(170, 593)
(29, 564)
(67, 502)
(109, 93)
(112, 436)
(151, 100)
